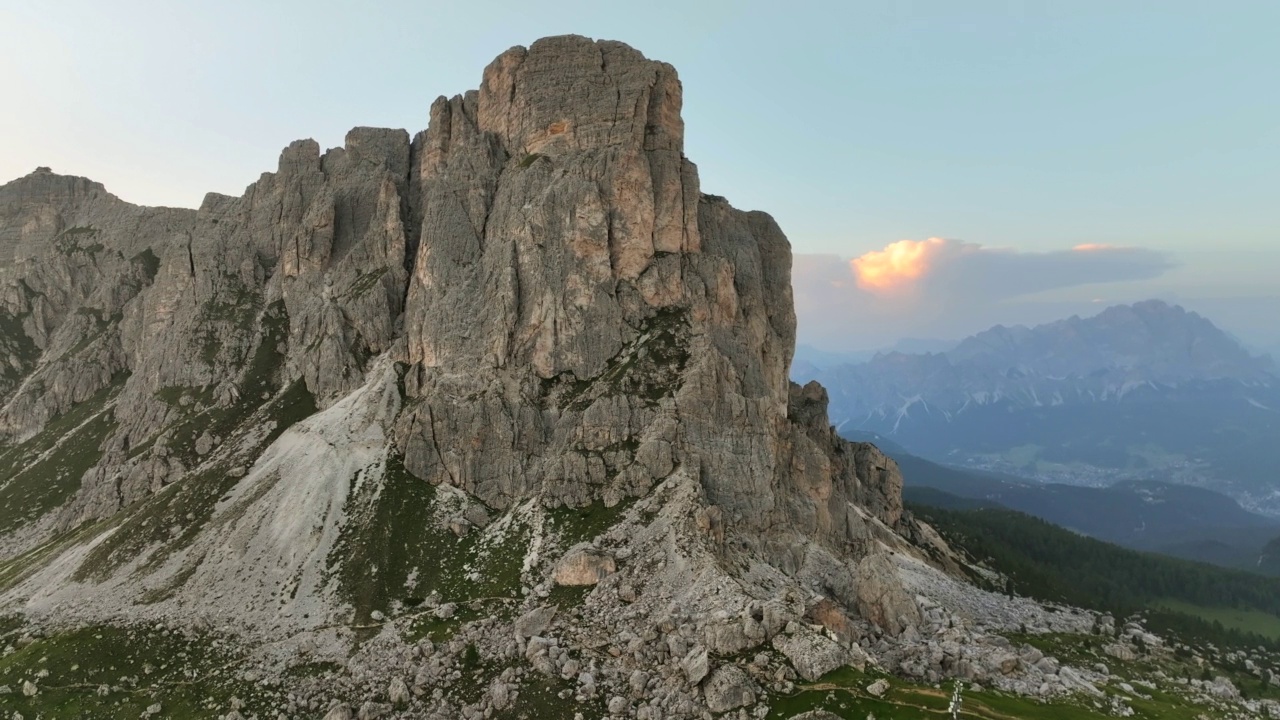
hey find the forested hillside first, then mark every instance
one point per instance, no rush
(1045, 561)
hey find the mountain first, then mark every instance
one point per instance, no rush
(1145, 392)
(1145, 342)
(490, 421)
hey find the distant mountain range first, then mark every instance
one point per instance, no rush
(1143, 392)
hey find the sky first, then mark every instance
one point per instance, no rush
(1032, 159)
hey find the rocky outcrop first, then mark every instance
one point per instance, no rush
(519, 359)
(584, 567)
(812, 655)
(728, 688)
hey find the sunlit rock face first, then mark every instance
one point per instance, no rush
(519, 352)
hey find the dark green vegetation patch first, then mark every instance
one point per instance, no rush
(113, 672)
(391, 550)
(843, 692)
(366, 282)
(540, 700)
(43, 472)
(574, 525)
(1047, 562)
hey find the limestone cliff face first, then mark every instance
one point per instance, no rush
(581, 321)
(568, 320)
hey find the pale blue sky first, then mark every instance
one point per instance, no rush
(1035, 126)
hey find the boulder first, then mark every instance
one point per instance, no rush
(499, 696)
(695, 665)
(881, 597)
(1223, 687)
(811, 654)
(339, 712)
(398, 692)
(1120, 651)
(535, 622)
(584, 567)
(728, 688)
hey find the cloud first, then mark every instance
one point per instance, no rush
(942, 287)
(896, 265)
(942, 267)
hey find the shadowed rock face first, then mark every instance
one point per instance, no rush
(563, 242)
(567, 317)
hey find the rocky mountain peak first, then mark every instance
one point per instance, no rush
(1149, 340)
(408, 367)
(572, 93)
(583, 140)
(530, 304)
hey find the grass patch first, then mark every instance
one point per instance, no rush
(439, 630)
(575, 525)
(45, 471)
(1050, 563)
(389, 539)
(16, 569)
(843, 693)
(112, 672)
(569, 596)
(1081, 650)
(540, 700)
(1160, 666)
(316, 668)
(392, 551)
(1254, 622)
(173, 394)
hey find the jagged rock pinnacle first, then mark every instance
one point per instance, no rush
(388, 372)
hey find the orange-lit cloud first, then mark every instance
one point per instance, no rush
(897, 265)
(943, 287)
